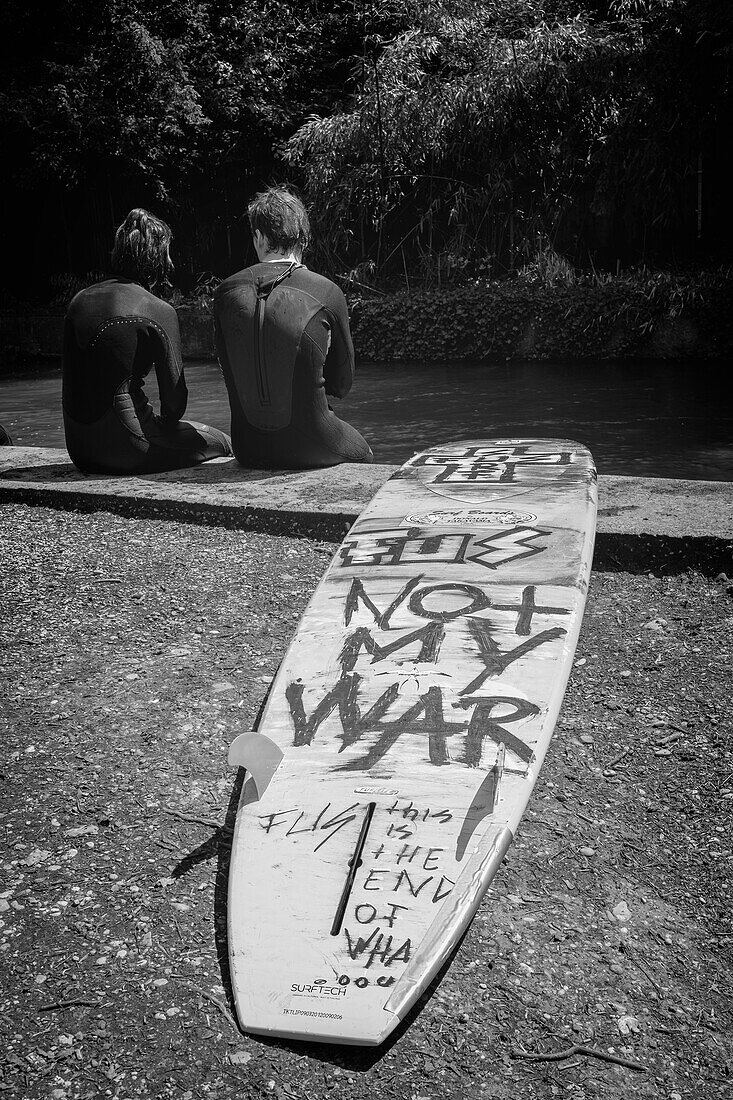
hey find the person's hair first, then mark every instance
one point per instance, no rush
(141, 249)
(281, 217)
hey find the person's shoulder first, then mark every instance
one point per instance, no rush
(124, 298)
(87, 295)
(320, 286)
(146, 304)
(239, 278)
(164, 308)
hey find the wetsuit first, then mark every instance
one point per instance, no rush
(115, 333)
(282, 335)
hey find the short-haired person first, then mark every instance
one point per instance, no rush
(115, 333)
(283, 340)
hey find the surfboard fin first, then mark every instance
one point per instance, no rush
(259, 755)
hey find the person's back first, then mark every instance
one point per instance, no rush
(284, 346)
(115, 332)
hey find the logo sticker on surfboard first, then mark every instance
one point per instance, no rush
(477, 474)
(471, 517)
(376, 790)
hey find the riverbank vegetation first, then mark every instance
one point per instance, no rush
(642, 314)
(440, 143)
(542, 312)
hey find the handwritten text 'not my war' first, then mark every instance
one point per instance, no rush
(426, 715)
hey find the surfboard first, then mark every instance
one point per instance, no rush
(403, 734)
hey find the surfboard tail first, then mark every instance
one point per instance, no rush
(456, 914)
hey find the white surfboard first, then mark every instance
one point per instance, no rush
(404, 733)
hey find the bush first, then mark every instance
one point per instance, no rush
(632, 315)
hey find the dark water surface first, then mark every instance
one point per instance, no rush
(662, 419)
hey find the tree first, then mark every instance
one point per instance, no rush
(179, 103)
(456, 135)
(482, 129)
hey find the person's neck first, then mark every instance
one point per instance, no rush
(279, 258)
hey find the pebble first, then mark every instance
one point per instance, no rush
(621, 911)
(38, 855)
(239, 1057)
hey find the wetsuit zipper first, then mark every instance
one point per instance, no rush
(263, 386)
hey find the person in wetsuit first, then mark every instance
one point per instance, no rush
(115, 332)
(284, 345)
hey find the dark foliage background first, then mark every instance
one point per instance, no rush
(438, 142)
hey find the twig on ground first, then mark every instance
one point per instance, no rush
(644, 971)
(70, 1002)
(215, 1001)
(209, 821)
(168, 847)
(583, 817)
(578, 1048)
(616, 760)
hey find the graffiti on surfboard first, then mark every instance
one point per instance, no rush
(426, 666)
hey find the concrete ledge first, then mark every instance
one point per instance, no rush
(644, 524)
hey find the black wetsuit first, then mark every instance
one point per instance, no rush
(115, 333)
(282, 335)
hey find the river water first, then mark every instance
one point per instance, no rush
(662, 419)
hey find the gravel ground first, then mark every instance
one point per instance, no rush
(135, 650)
